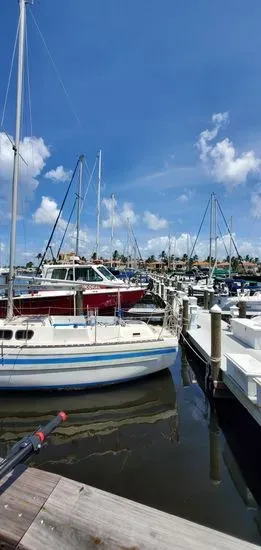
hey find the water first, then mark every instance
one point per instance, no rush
(156, 441)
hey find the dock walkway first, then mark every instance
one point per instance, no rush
(200, 339)
(40, 510)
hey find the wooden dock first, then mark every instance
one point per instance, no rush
(200, 339)
(44, 511)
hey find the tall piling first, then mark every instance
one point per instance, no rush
(185, 315)
(205, 299)
(215, 313)
(242, 308)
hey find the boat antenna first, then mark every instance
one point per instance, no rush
(16, 149)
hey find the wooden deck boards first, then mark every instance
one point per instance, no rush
(40, 511)
(22, 495)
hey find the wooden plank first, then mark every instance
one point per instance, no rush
(22, 495)
(77, 516)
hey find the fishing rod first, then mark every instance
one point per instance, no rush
(30, 444)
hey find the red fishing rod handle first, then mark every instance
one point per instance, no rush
(44, 431)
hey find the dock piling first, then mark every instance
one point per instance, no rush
(185, 312)
(79, 302)
(215, 313)
(242, 308)
(205, 299)
(210, 298)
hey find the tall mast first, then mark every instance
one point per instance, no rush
(98, 205)
(230, 246)
(169, 250)
(112, 225)
(79, 199)
(128, 243)
(16, 148)
(210, 232)
(215, 227)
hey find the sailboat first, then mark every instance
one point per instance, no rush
(46, 352)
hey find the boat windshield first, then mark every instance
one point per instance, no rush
(106, 273)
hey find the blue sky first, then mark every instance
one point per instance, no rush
(145, 79)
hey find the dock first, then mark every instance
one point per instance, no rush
(200, 340)
(41, 510)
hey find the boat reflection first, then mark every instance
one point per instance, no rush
(101, 424)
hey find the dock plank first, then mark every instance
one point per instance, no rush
(78, 516)
(22, 495)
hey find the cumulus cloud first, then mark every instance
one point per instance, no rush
(153, 221)
(221, 159)
(35, 152)
(126, 215)
(58, 174)
(47, 213)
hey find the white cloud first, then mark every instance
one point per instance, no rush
(186, 196)
(47, 212)
(126, 215)
(153, 221)
(221, 159)
(34, 151)
(58, 174)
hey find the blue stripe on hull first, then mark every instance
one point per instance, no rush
(86, 358)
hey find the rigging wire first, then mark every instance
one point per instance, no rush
(58, 216)
(223, 240)
(10, 73)
(90, 180)
(200, 227)
(231, 236)
(55, 68)
(7, 92)
(65, 231)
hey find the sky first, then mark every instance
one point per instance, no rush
(169, 91)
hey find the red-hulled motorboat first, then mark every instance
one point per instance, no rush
(101, 290)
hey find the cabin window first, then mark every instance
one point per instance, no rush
(24, 334)
(6, 334)
(106, 273)
(83, 274)
(136, 334)
(59, 273)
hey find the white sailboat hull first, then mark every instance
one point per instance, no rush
(53, 373)
(75, 360)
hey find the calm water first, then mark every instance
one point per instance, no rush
(156, 441)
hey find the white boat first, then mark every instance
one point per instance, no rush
(45, 352)
(253, 303)
(66, 352)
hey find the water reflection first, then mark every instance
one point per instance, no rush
(116, 421)
(156, 441)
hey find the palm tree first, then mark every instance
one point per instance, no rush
(39, 256)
